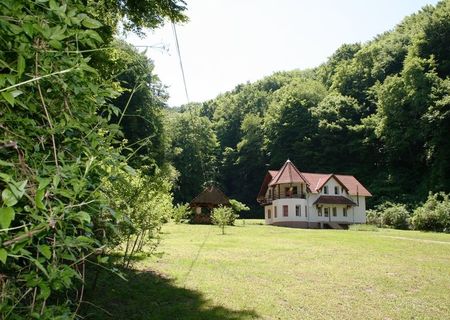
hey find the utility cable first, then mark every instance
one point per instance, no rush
(193, 118)
(174, 29)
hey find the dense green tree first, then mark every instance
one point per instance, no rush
(289, 124)
(140, 105)
(194, 152)
(339, 135)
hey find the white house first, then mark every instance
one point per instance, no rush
(312, 200)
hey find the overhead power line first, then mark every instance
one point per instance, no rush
(180, 60)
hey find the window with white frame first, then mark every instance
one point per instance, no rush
(336, 190)
(298, 210)
(325, 190)
(344, 212)
(334, 212)
(319, 211)
(326, 212)
(275, 212)
(269, 214)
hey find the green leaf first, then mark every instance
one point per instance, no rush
(16, 93)
(6, 164)
(43, 182)
(94, 35)
(45, 291)
(56, 180)
(55, 44)
(20, 65)
(53, 5)
(38, 199)
(5, 177)
(91, 23)
(3, 255)
(28, 28)
(84, 239)
(45, 250)
(39, 265)
(7, 95)
(6, 216)
(14, 29)
(84, 216)
(18, 188)
(8, 198)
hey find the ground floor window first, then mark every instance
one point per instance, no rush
(334, 212)
(326, 212)
(344, 212)
(275, 212)
(285, 211)
(298, 210)
(319, 211)
(269, 214)
(306, 211)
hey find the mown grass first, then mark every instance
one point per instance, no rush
(265, 272)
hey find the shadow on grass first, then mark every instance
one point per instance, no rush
(147, 295)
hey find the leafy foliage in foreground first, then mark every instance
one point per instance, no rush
(58, 147)
(55, 147)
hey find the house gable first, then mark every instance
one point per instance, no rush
(331, 181)
(288, 174)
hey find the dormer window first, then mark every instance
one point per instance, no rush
(325, 190)
(336, 190)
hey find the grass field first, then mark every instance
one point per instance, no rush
(264, 272)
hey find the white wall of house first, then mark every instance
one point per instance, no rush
(359, 210)
(355, 214)
(333, 186)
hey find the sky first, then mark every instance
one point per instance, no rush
(229, 42)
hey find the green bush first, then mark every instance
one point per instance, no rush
(223, 216)
(142, 204)
(180, 212)
(395, 216)
(388, 214)
(434, 214)
(373, 217)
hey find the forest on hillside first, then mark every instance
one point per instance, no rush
(378, 110)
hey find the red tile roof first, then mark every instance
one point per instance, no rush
(353, 185)
(287, 174)
(273, 173)
(334, 200)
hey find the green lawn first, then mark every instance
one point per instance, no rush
(265, 272)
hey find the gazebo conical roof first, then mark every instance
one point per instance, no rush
(211, 196)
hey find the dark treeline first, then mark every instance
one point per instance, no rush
(379, 110)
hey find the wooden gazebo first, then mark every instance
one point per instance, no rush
(202, 205)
